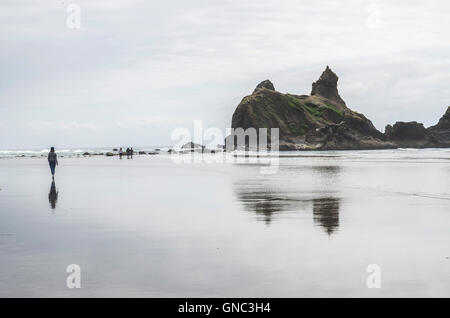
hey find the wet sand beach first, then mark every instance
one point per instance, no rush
(148, 227)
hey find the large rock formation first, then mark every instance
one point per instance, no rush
(415, 135)
(319, 121)
(323, 121)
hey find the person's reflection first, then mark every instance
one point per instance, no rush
(326, 213)
(53, 195)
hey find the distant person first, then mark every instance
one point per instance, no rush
(128, 153)
(52, 161)
(131, 152)
(53, 195)
(120, 153)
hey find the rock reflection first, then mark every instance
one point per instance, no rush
(326, 213)
(266, 204)
(312, 189)
(53, 195)
(327, 170)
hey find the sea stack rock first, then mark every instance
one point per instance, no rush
(319, 121)
(191, 145)
(404, 131)
(410, 135)
(441, 131)
(265, 84)
(444, 122)
(326, 86)
(322, 121)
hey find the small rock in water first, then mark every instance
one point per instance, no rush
(191, 145)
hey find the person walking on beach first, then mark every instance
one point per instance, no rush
(120, 153)
(52, 161)
(128, 153)
(131, 152)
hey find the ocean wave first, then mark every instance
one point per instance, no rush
(74, 152)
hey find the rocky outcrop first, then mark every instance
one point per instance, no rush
(415, 135)
(319, 121)
(322, 121)
(404, 131)
(409, 135)
(326, 86)
(444, 122)
(441, 131)
(264, 84)
(191, 145)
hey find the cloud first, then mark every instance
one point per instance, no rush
(139, 122)
(52, 125)
(163, 63)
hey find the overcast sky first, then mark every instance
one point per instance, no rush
(135, 70)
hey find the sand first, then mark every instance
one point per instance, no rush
(148, 227)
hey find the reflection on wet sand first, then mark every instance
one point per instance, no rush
(326, 213)
(266, 204)
(269, 201)
(327, 170)
(53, 195)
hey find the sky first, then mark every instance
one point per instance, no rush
(125, 73)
